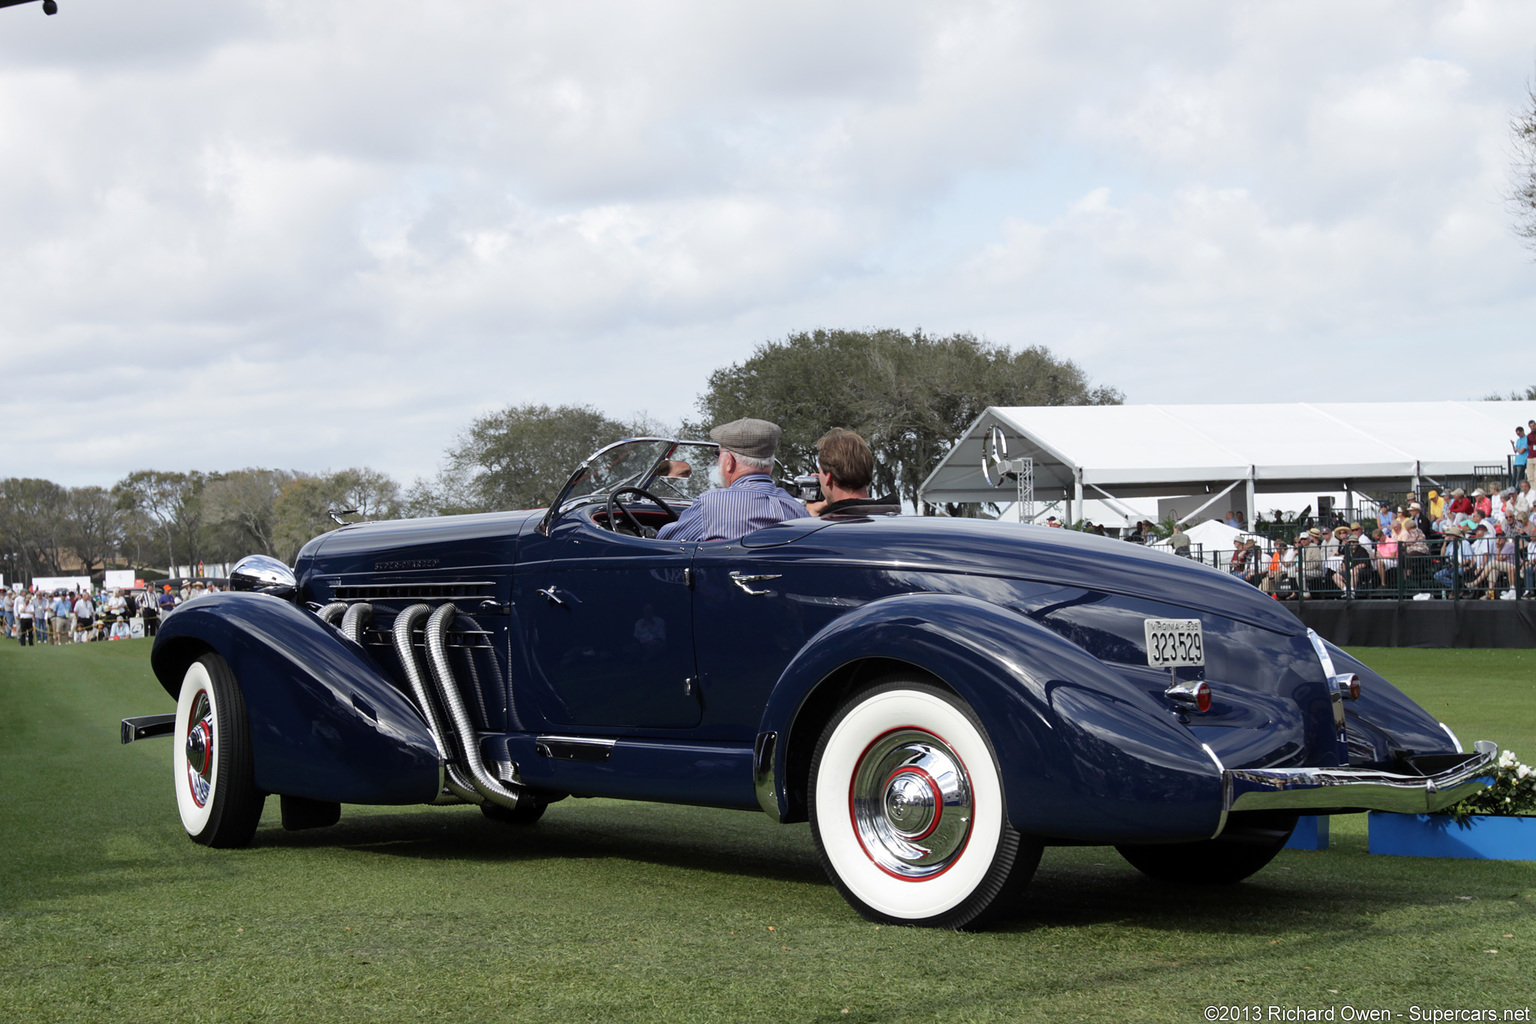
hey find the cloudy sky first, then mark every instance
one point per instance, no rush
(316, 235)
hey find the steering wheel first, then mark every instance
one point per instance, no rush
(616, 506)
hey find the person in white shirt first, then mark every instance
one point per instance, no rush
(26, 620)
(85, 613)
(1484, 553)
(117, 615)
(1523, 497)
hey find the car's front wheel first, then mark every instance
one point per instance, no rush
(211, 757)
(906, 806)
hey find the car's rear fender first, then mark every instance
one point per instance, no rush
(1084, 755)
(325, 722)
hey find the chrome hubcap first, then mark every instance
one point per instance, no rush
(199, 750)
(911, 804)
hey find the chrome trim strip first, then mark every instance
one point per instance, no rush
(1367, 789)
(1322, 653)
(1331, 677)
(419, 590)
(741, 579)
(575, 748)
(1454, 738)
(1226, 789)
(764, 781)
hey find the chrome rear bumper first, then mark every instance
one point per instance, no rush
(1356, 789)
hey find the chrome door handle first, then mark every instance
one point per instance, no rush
(552, 595)
(742, 580)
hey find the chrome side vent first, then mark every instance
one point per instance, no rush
(471, 591)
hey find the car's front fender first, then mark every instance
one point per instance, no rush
(1084, 754)
(325, 723)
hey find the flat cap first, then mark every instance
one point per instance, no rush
(756, 439)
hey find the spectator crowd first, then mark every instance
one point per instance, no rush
(1452, 544)
(1477, 545)
(33, 617)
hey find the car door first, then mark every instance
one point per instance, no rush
(756, 602)
(606, 622)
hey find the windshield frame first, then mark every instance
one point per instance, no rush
(563, 502)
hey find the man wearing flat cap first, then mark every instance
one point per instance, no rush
(749, 499)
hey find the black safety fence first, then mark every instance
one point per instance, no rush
(1499, 568)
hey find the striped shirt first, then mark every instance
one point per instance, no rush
(726, 513)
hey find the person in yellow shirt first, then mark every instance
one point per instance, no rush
(1436, 505)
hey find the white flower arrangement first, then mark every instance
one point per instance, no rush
(1513, 791)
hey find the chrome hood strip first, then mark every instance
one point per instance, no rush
(1300, 789)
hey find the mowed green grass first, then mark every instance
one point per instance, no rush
(612, 911)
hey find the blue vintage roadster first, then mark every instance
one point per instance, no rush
(941, 698)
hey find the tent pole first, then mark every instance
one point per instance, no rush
(1248, 497)
(1213, 499)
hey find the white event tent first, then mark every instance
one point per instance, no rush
(1113, 452)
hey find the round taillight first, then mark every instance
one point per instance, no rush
(1203, 697)
(1347, 685)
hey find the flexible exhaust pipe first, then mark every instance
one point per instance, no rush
(331, 612)
(453, 779)
(437, 659)
(357, 619)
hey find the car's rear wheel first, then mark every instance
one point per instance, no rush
(1249, 842)
(211, 757)
(906, 806)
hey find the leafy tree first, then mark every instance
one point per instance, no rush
(33, 524)
(910, 395)
(302, 508)
(372, 494)
(93, 526)
(519, 457)
(244, 504)
(1522, 195)
(1528, 395)
(173, 501)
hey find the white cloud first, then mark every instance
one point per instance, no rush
(317, 235)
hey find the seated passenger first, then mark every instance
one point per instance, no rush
(747, 499)
(846, 466)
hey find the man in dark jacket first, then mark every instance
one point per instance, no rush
(846, 467)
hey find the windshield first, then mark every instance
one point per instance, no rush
(685, 474)
(625, 464)
(672, 470)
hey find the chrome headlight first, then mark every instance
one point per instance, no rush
(264, 575)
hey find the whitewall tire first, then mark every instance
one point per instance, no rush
(906, 806)
(211, 757)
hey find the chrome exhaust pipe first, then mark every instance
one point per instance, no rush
(331, 612)
(357, 619)
(437, 659)
(453, 779)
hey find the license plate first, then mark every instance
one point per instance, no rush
(1173, 643)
